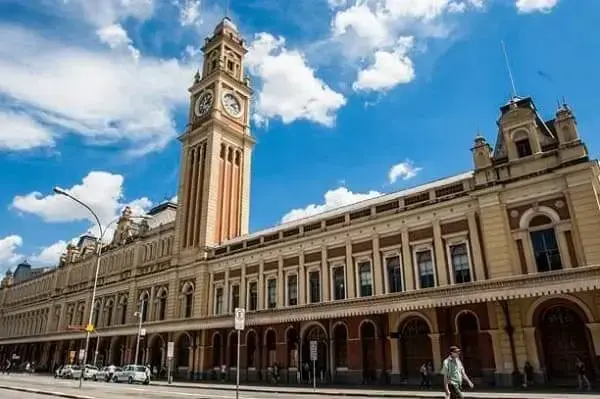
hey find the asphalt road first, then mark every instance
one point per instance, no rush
(101, 390)
(6, 394)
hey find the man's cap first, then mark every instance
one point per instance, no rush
(454, 349)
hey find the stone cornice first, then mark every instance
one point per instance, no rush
(558, 282)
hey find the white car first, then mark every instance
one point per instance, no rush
(133, 373)
(69, 371)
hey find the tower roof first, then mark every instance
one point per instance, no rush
(225, 23)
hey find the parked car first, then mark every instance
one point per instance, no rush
(106, 374)
(133, 373)
(68, 370)
(88, 373)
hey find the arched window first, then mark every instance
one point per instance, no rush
(109, 313)
(161, 304)
(187, 302)
(544, 244)
(123, 304)
(144, 303)
(522, 144)
(96, 315)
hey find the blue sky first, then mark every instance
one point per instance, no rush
(353, 98)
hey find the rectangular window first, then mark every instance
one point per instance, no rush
(292, 290)
(460, 263)
(253, 296)
(235, 296)
(425, 265)
(314, 283)
(218, 301)
(545, 250)
(394, 273)
(366, 279)
(339, 283)
(272, 293)
(523, 148)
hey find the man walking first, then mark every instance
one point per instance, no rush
(454, 373)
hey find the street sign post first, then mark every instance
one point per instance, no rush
(313, 357)
(239, 320)
(81, 354)
(143, 332)
(170, 354)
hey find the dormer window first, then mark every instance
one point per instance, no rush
(523, 147)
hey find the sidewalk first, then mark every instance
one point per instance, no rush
(377, 393)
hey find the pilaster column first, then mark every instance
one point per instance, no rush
(280, 283)
(531, 347)
(528, 248)
(496, 337)
(226, 290)
(350, 277)
(563, 248)
(261, 285)
(377, 268)
(440, 254)
(475, 247)
(407, 264)
(595, 333)
(243, 286)
(302, 280)
(324, 275)
(202, 351)
(436, 351)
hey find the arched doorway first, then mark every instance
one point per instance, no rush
(271, 346)
(251, 349)
(316, 333)
(291, 340)
(217, 346)
(468, 333)
(232, 348)
(369, 361)
(117, 350)
(564, 338)
(182, 356)
(415, 346)
(156, 348)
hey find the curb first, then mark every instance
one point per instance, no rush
(49, 393)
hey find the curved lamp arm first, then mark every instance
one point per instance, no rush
(60, 191)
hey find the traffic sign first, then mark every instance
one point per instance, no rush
(313, 350)
(239, 318)
(170, 350)
(143, 332)
(81, 354)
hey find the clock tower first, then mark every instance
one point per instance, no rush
(214, 188)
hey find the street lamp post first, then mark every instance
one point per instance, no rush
(140, 316)
(101, 231)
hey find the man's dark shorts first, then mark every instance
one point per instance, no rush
(455, 392)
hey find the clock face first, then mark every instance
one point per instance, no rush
(232, 105)
(204, 103)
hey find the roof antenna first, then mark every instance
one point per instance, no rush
(512, 81)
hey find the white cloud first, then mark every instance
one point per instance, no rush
(373, 35)
(289, 88)
(333, 199)
(102, 191)
(106, 12)
(388, 70)
(528, 6)
(19, 132)
(50, 255)
(116, 38)
(190, 12)
(404, 170)
(106, 97)
(8, 250)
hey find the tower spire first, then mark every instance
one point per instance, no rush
(510, 75)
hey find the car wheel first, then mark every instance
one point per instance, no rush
(130, 380)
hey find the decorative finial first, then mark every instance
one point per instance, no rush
(197, 76)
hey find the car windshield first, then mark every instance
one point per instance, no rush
(75, 367)
(140, 368)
